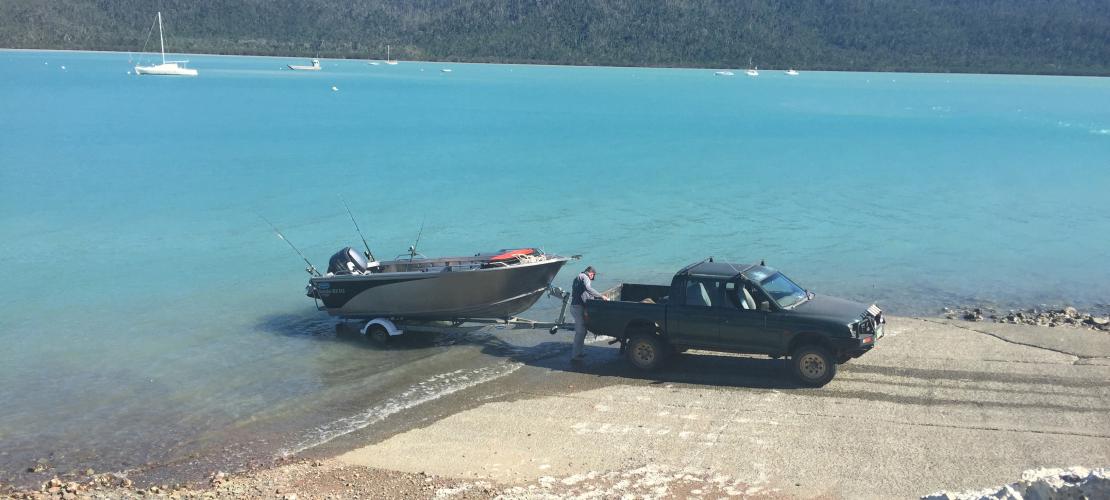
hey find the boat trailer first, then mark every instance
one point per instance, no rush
(382, 329)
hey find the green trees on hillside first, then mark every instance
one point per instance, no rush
(1017, 36)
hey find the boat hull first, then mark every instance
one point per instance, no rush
(165, 70)
(446, 295)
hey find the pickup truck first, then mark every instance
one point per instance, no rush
(743, 308)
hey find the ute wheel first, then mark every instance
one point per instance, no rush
(646, 352)
(813, 366)
(378, 334)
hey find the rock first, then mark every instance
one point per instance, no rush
(1070, 312)
(291, 496)
(1099, 321)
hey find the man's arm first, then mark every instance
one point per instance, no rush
(590, 289)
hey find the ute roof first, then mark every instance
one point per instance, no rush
(713, 269)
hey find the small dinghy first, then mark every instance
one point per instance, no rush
(300, 67)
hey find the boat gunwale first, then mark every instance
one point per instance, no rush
(396, 274)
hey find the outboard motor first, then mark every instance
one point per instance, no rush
(348, 261)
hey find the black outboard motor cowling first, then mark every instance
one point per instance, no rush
(339, 262)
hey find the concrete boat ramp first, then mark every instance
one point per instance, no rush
(938, 405)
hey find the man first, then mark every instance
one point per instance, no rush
(582, 291)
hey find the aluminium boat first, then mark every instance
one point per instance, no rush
(496, 285)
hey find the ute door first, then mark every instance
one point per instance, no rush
(695, 318)
(743, 326)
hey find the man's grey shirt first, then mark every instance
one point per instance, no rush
(583, 283)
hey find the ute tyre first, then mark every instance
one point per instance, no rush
(813, 365)
(378, 334)
(646, 352)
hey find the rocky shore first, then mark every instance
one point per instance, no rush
(297, 480)
(1073, 482)
(1052, 317)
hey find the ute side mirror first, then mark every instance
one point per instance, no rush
(765, 306)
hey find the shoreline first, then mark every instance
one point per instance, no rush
(550, 410)
(694, 68)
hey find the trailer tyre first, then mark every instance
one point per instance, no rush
(378, 334)
(813, 365)
(646, 352)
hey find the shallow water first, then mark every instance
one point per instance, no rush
(151, 315)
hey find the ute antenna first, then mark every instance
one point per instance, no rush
(311, 269)
(369, 254)
(412, 249)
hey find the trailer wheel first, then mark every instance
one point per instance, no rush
(813, 365)
(378, 334)
(646, 352)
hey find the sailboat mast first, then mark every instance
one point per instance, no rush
(161, 40)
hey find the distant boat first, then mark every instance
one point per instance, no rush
(374, 63)
(791, 72)
(752, 70)
(445, 70)
(314, 67)
(389, 61)
(724, 73)
(167, 68)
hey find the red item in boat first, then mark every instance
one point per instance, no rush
(512, 253)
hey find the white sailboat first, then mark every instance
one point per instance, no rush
(752, 70)
(167, 68)
(792, 72)
(389, 61)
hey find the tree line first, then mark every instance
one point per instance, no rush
(983, 36)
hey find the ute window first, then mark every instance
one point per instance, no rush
(701, 293)
(739, 296)
(785, 292)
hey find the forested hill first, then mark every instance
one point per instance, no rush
(1007, 36)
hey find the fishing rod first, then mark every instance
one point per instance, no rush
(311, 269)
(369, 254)
(412, 249)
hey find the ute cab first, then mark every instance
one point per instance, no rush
(745, 308)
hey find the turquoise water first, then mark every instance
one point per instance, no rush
(148, 311)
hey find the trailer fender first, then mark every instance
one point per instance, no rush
(389, 326)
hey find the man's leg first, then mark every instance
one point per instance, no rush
(579, 329)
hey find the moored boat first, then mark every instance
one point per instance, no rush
(167, 68)
(300, 67)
